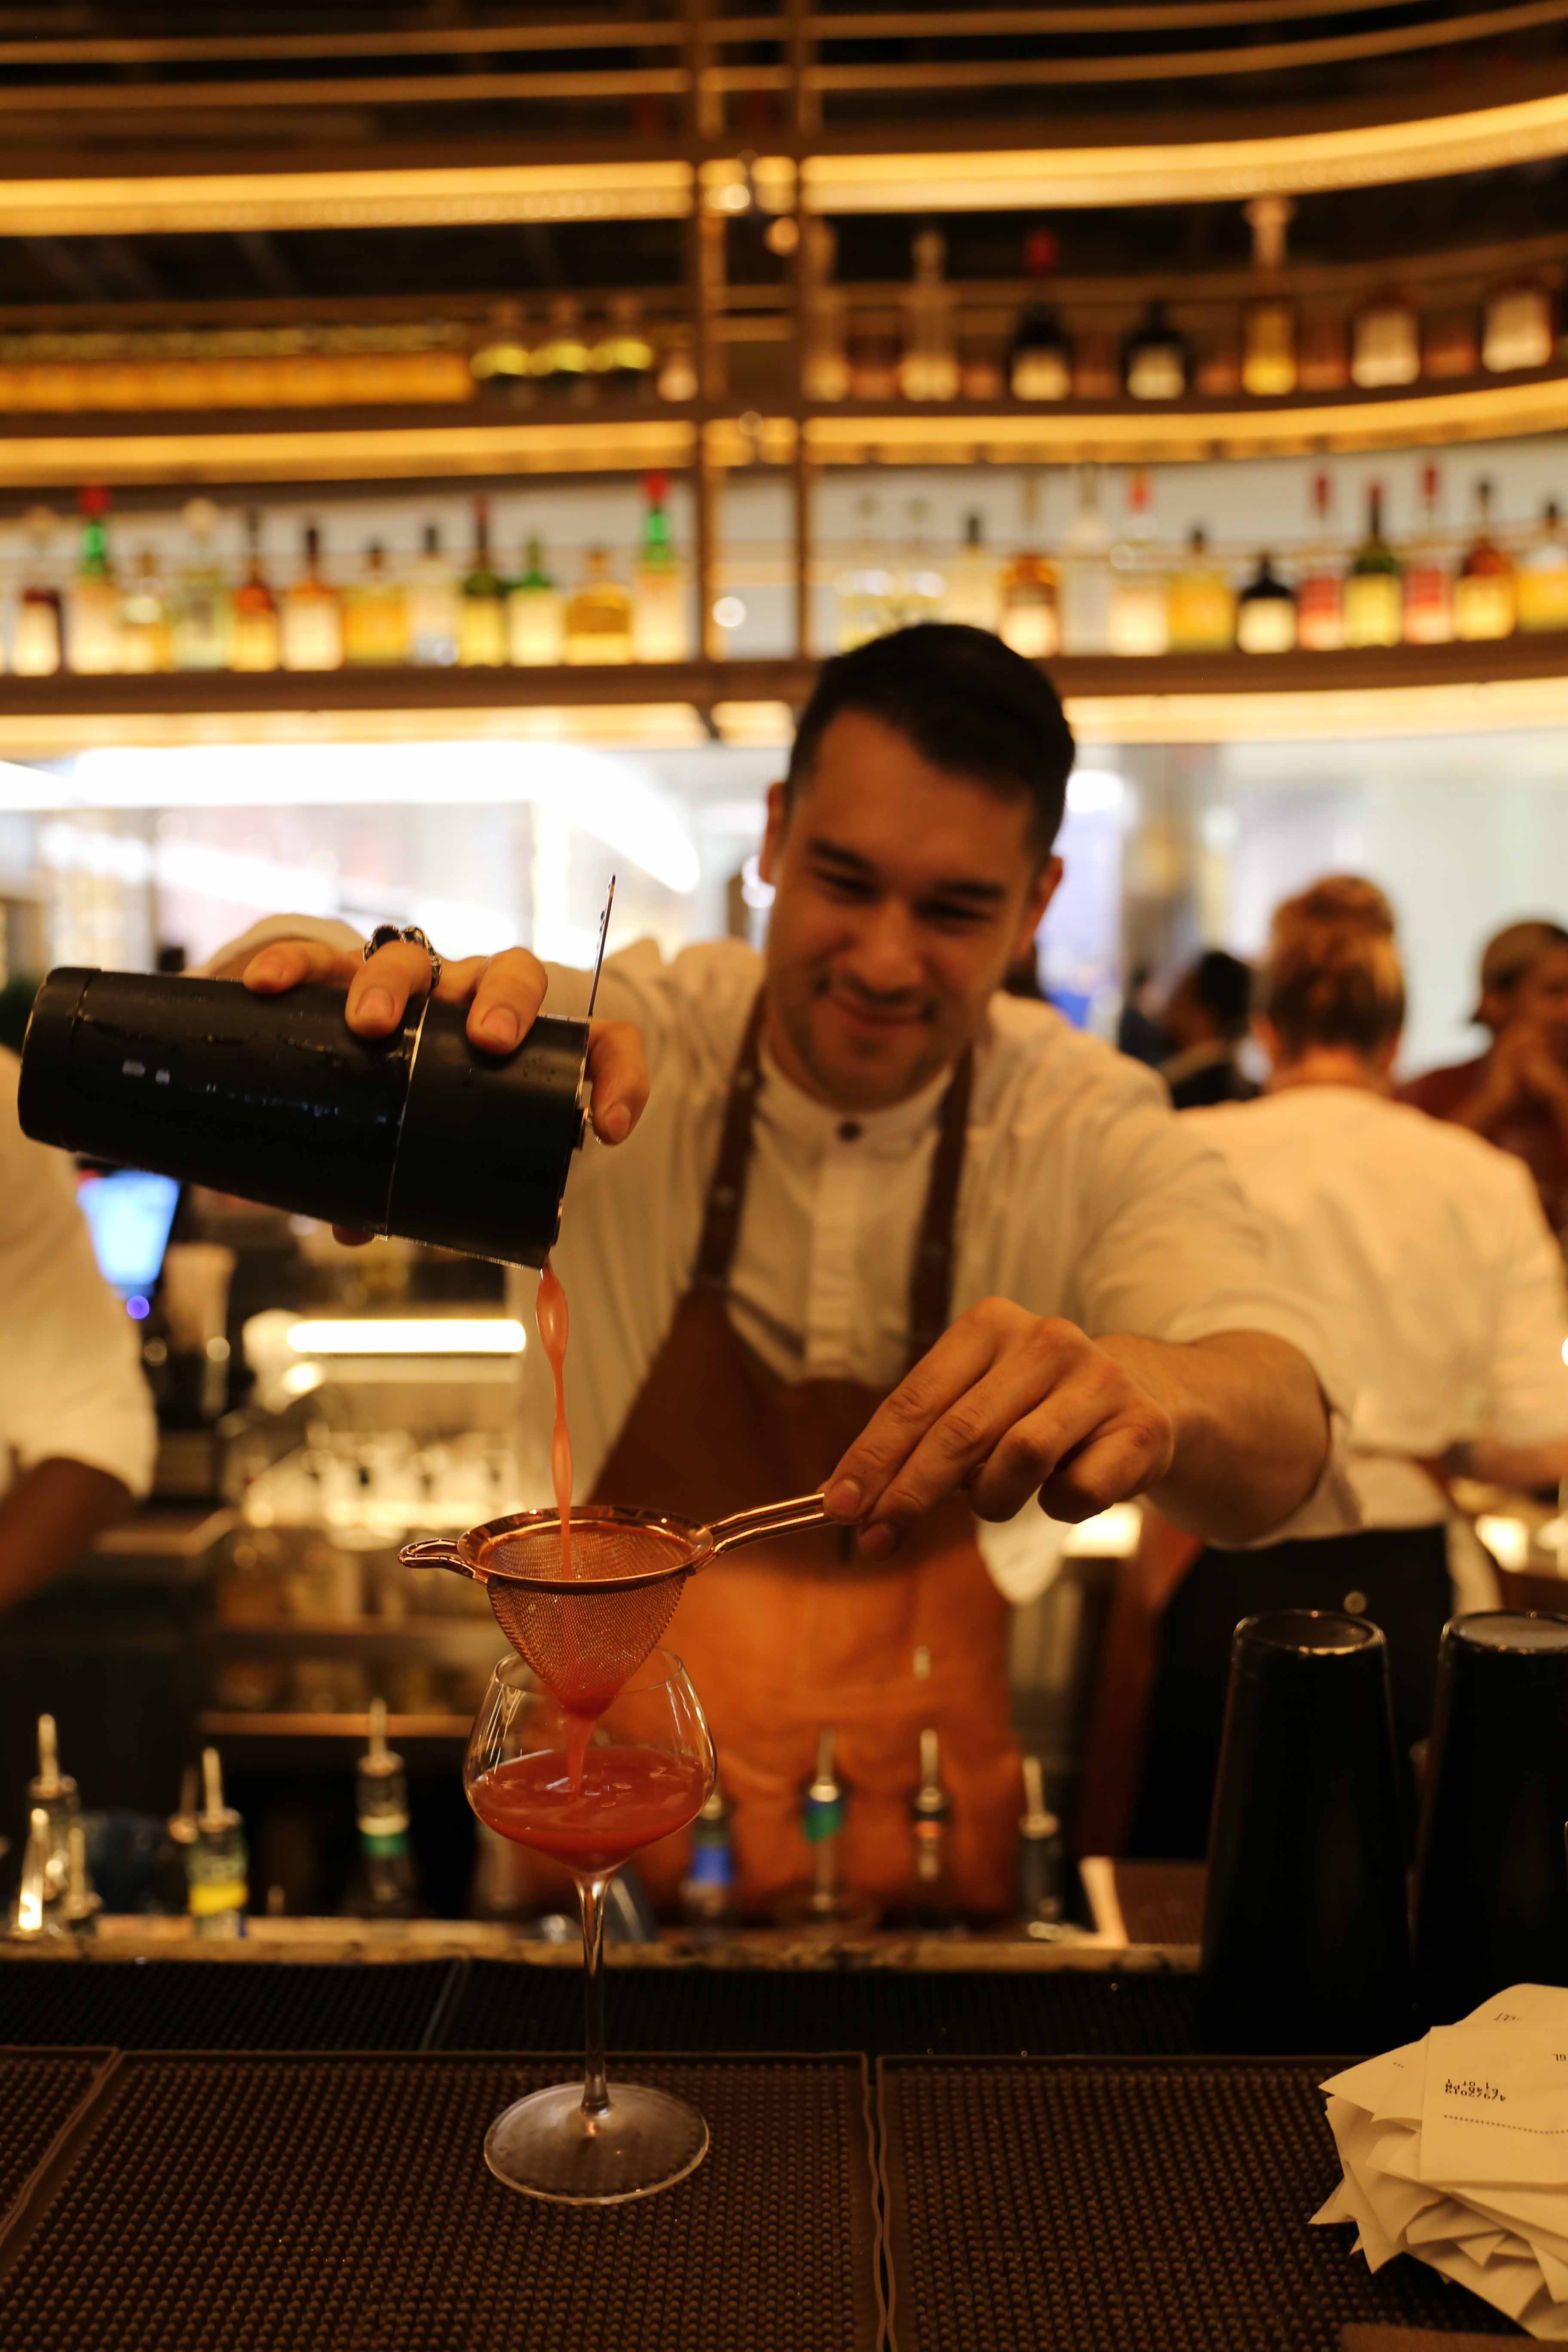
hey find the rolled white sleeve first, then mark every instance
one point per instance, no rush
(1527, 1382)
(71, 1374)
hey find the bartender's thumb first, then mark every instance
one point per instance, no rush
(618, 1080)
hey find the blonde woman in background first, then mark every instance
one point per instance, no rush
(1427, 1248)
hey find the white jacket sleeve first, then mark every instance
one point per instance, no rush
(70, 1372)
(1527, 1380)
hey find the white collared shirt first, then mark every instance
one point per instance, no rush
(1083, 1195)
(1427, 1249)
(71, 1370)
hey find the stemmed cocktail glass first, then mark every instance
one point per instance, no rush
(588, 1795)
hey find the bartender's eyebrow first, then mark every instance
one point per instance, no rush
(971, 891)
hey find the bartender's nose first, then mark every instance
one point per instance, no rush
(887, 957)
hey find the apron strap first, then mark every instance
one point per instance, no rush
(931, 1276)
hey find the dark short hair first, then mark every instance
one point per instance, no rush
(1223, 986)
(966, 702)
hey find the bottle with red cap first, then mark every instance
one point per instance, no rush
(1429, 576)
(1319, 592)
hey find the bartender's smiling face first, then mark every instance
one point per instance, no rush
(903, 892)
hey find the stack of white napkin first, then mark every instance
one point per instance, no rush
(1456, 2150)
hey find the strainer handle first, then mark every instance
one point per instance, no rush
(767, 1519)
(434, 1551)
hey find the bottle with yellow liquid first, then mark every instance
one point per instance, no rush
(1484, 591)
(1031, 599)
(535, 615)
(253, 634)
(145, 643)
(1374, 602)
(599, 614)
(1266, 613)
(1201, 606)
(375, 615)
(1542, 584)
(313, 628)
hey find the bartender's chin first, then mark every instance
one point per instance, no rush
(867, 1063)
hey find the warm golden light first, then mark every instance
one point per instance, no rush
(463, 446)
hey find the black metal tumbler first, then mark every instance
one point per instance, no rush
(1305, 1939)
(274, 1098)
(1492, 1889)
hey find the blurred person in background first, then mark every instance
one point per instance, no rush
(1427, 1248)
(77, 1427)
(1516, 1093)
(1206, 1023)
(1138, 1032)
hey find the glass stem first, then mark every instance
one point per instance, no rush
(595, 2090)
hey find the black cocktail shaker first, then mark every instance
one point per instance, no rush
(1305, 1941)
(275, 1098)
(1491, 1890)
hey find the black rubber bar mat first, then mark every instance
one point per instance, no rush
(504, 2005)
(1092, 2206)
(250, 2205)
(40, 2090)
(223, 2004)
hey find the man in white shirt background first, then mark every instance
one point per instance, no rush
(883, 1228)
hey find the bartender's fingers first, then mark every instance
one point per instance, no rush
(1115, 1465)
(947, 1373)
(618, 1073)
(1076, 1456)
(284, 963)
(380, 990)
(508, 995)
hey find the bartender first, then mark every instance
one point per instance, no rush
(873, 1225)
(76, 1432)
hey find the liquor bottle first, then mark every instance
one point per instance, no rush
(1385, 343)
(979, 375)
(973, 590)
(535, 615)
(1428, 581)
(92, 620)
(599, 614)
(707, 1889)
(253, 641)
(1156, 360)
(501, 363)
(678, 368)
(375, 615)
(144, 620)
(1484, 591)
(1265, 613)
(622, 361)
(482, 613)
(38, 638)
(1375, 604)
(873, 355)
(1086, 572)
(218, 1860)
(931, 1816)
(1217, 372)
(1096, 366)
(312, 636)
(1042, 1858)
(825, 364)
(1201, 604)
(1039, 358)
(918, 584)
(864, 586)
(660, 627)
(1322, 360)
(171, 1863)
(1319, 591)
(81, 1905)
(1031, 604)
(1449, 344)
(383, 1885)
(1138, 622)
(56, 1793)
(37, 1908)
(201, 604)
(1515, 331)
(929, 367)
(432, 606)
(822, 1819)
(1543, 583)
(1268, 354)
(561, 362)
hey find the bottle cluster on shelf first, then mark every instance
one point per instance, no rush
(936, 347)
(1120, 590)
(111, 617)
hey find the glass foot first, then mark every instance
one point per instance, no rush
(546, 2147)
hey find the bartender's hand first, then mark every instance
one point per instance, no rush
(503, 993)
(1229, 1435)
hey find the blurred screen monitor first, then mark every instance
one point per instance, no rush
(129, 1215)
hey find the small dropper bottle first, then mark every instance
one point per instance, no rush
(56, 1791)
(218, 1859)
(1042, 1858)
(821, 1818)
(384, 1887)
(81, 1905)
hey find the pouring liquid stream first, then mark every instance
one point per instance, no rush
(550, 1316)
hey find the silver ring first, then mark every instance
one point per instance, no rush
(385, 933)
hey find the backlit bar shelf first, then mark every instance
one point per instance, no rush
(1517, 682)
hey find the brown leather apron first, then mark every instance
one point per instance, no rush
(799, 1632)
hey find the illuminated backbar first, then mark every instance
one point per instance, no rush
(362, 452)
(444, 196)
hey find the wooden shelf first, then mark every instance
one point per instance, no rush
(1520, 681)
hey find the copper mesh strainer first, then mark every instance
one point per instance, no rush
(583, 1634)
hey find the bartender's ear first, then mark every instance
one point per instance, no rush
(1042, 890)
(773, 837)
